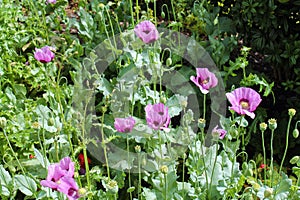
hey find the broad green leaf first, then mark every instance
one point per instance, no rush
(44, 161)
(25, 184)
(5, 180)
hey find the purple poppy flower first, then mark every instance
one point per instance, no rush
(51, 1)
(69, 187)
(157, 116)
(44, 54)
(204, 80)
(124, 125)
(54, 175)
(146, 31)
(220, 132)
(244, 101)
(67, 166)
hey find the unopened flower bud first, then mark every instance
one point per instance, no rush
(201, 123)
(169, 62)
(263, 126)
(292, 112)
(268, 192)
(3, 122)
(163, 15)
(164, 169)
(256, 186)
(272, 123)
(295, 133)
(184, 104)
(294, 160)
(163, 100)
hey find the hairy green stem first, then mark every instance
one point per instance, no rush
(286, 143)
(272, 167)
(264, 152)
(129, 166)
(14, 154)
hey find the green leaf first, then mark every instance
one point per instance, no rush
(25, 184)
(44, 161)
(5, 180)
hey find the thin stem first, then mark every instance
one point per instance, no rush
(272, 167)
(173, 10)
(183, 171)
(213, 170)
(14, 153)
(155, 20)
(131, 11)
(205, 172)
(129, 166)
(137, 9)
(140, 175)
(204, 105)
(166, 188)
(86, 163)
(286, 143)
(104, 145)
(264, 152)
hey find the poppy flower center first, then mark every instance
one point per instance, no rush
(245, 104)
(205, 81)
(156, 123)
(146, 31)
(161, 113)
(126, 130)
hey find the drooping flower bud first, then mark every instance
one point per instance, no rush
(295, 133)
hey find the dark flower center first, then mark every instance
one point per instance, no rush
(156, 123)
(245, 104)
(147, 31)
(161, 113)
(202, 82)
(126, 130)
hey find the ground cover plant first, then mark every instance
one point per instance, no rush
(141, 100)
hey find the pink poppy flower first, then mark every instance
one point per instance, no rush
(60, 178)
(69, 187)
(157, 116)
(51, 1)
(205, 80)
(244, 101)
(146, 31)
(44, 54)
(221, 132)
(67, 166)
(54, 175)
(124, 125)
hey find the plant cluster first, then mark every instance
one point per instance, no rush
(104, 101)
